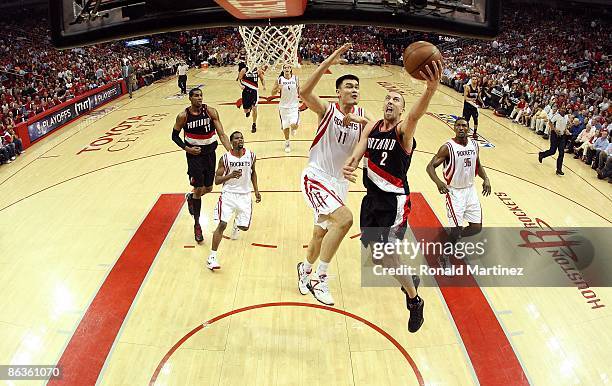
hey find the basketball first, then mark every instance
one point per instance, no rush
(418, 55)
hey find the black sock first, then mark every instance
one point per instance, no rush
(197, 205)
(254, 124)
(414, 300)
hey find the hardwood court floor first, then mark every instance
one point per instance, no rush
(82, 200)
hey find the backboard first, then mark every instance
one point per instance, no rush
(82, 22)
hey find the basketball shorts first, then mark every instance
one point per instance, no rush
(201, 169)
(384, 217)
(249, 98)
(470, 111)
(323, 193)
(463, 205)
(289, 116)
(230, 203)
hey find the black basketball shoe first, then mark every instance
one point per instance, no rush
(415, 306)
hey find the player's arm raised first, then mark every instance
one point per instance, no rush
(313, 102)
(214, 115)
(486, 184)
(436, 161)
(408, 126)
(254, 182)
(353, 161)
(181, 119)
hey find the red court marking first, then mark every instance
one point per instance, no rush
(88, 348)
(263, 245)
(486, 343)
(225, 237)
(189, 246)
(355, 236)
(305, 246)
(413, 365)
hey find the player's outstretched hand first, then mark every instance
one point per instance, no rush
(337, 55)
(257, 197)
(433, 75)
(350, 117)
(442, 188)
(349, 169)
(486, 187)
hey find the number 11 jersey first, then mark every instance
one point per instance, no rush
(334, 142)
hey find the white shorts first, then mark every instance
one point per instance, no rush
(463, 205)
(289, 116)
(324, 194)
(240, 203)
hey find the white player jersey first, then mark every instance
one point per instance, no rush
(288, 92)
(244, 163)
(461, 167)
(334, 142)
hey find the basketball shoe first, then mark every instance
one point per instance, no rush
(415, 306)
(212, 263)
(303, 279)
(320, 290)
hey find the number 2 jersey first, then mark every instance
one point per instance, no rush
(461, 167)
(334, 142)
(386, 162)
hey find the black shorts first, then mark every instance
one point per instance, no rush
(249, 98)
(383, 216)
(470, 111)
(201, 169)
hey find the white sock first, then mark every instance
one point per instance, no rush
(213, 254)
(286, 143)
(307, 266)
(322, 268)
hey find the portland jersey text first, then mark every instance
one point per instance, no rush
(251, 79)
(386, 162)
(200, 131)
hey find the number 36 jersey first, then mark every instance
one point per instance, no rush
(461, 167)
(386, 162)
(334, 142)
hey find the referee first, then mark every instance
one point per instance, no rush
(181, 71)
(558, 137)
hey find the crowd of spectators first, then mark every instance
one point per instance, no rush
(35, 77)
(546, 62)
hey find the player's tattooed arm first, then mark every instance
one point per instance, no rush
(436, 161)
(176, 130)
(353, 161)
(313, 102)
(214, 115)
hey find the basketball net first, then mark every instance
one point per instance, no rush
(271, 45)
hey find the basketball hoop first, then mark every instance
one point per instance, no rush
(271, 45)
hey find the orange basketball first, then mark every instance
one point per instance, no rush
(418, 55)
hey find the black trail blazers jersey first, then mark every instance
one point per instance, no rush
(386, 162)
(200, 131)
